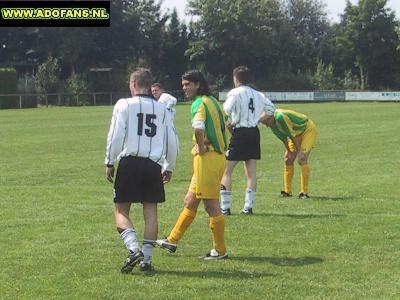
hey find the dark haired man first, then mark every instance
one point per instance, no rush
(208, 166)
(244, 106)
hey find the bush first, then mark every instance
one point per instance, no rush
(76, 85)
(46, 77)
(26, 85)
(284, 81)
(8, 85)
(324, 78)
(350, 81)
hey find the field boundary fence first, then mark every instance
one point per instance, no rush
(109, 98)
(64, 99)
(328, 96)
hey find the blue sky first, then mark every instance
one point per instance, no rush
(334, 7)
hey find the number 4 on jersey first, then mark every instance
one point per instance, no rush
(251, 106)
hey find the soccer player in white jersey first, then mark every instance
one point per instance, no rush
(244, 106)
(142, 137)
(168, 100)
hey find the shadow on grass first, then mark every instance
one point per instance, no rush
(300, 216)
(282, 261)
(215, 274)
(321, 198)
(332, 198)
(278, 261)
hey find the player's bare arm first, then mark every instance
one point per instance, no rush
(201, 146)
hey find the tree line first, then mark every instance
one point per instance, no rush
(288, 45)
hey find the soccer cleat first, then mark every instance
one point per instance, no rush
(285, 195)
(226, 212)
(245, 211)
(303, 196)
(167, 245)
(146, 267)
(213, 254)
(133, 259)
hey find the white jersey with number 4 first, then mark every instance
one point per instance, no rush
(244, 106)
(141, 126)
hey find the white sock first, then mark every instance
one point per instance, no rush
(225, 199)
(249, 198)
(147, 249)
(128, 236)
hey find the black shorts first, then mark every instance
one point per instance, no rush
(138, 180)
(244, 144)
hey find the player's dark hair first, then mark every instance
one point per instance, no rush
(197, 77)
(156, 84)
(142, 77)
(242, 74)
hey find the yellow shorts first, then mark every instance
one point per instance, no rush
(207, 174)
(307, 138)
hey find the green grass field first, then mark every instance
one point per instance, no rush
(58, 238)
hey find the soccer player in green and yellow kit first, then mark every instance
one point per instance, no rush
(298, 133)
(208, 152)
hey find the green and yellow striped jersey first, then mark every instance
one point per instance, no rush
(208, 110)
(289, 123)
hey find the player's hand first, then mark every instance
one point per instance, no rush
(289, 155)
(202, 149)
(110, 174)
(263, 118)
(166, 176)
(197, 151)
(230, 127)
(302, 156)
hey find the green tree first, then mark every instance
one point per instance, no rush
(324, 78)
(303, 38)
(8, 85)
(174, 62)
(123, 34)
(229, 33)
(151, 31)
(309, 28)
(138, 37)
(46, 77)
(18, 48)
(350, 81)
(76, 49)
(398, 36)
(75, 86)
(367, 39)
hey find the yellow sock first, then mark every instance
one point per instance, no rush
(217, 226)
(182, 224)
(305, 173)
(287, 178)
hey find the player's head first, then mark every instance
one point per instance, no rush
(194, 84)
(157, 89)
(140, 81)
(267, 117)
(241, 75)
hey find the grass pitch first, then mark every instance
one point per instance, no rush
(58, 238)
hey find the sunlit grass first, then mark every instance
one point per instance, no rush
(58, 238)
